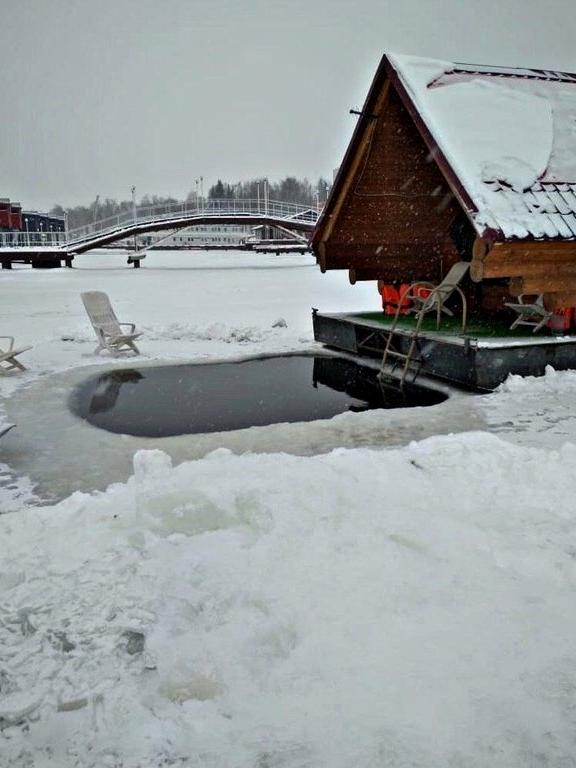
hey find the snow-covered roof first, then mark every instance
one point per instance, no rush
(509, 137)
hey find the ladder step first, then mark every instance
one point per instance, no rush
(392, 353)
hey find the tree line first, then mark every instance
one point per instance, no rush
(289, 190)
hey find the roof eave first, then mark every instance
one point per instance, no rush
(361, 125)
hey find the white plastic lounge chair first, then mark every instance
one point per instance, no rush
(532, 314)
(106, 326)
(8, 360)
(440, 294)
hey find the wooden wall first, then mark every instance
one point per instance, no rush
(532, 268)
(393, 221)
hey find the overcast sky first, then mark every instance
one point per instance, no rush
(97, 96)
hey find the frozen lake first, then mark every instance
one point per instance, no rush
(380, 587)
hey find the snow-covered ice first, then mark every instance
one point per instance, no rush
(333, 594)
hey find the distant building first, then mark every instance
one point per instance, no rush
(10, 216)
(14, 219)
(207, 234)
(32, 221)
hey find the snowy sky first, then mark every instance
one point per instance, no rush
(99, 96)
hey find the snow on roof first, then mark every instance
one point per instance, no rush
(509, 135)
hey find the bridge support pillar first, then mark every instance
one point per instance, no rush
(6, 264)
(46, 262)
(68, 261)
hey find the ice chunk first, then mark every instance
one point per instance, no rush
(151, 465)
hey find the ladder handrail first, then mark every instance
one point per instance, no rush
(434, 292)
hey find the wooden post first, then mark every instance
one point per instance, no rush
(480, 251)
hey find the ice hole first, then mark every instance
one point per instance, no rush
(173, 400)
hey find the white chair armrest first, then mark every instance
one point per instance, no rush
(11, 341)
(132, 326)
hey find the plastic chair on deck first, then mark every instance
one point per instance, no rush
(439, 294)
(533, 314)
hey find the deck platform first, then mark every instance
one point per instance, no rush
(479, 359)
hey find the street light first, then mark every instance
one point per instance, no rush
(95, 214)
(134, 215)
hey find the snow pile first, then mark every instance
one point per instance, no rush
(533, 410)
(362, 608)
(14, 492)
(211, 332)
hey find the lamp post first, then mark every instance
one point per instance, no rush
(95, 214)
(134, 214)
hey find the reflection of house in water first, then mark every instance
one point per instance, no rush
(108, 389)
(363, 385)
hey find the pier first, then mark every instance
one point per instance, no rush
(48, 249)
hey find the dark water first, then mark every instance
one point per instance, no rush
(186, 399)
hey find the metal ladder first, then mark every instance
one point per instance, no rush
(410, 357)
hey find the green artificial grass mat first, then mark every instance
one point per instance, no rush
(477, 326)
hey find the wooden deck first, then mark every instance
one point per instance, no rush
(479, 359)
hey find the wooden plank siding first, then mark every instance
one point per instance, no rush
(547, 267)
(395, 209)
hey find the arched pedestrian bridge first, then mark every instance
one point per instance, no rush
(293, 218)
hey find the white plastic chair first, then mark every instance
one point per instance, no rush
(533, 314)
(107, 327)
(8, 360)
(440, 293)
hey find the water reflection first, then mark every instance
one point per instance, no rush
(185, 399)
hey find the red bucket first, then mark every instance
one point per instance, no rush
(562, 321)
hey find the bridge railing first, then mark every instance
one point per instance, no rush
(147, 214)
(32, 239)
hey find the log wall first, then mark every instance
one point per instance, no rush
(533, 268)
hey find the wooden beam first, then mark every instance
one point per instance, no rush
(531, 248)
(531, 259)
(557, 283)
(477, 271)
(559, 300)
(532, 269)
(359, 275)
(363, 148)
(480, 249)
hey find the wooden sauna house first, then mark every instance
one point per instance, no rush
(450, 163)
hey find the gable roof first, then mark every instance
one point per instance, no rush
(508, 137)
(504, 138)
